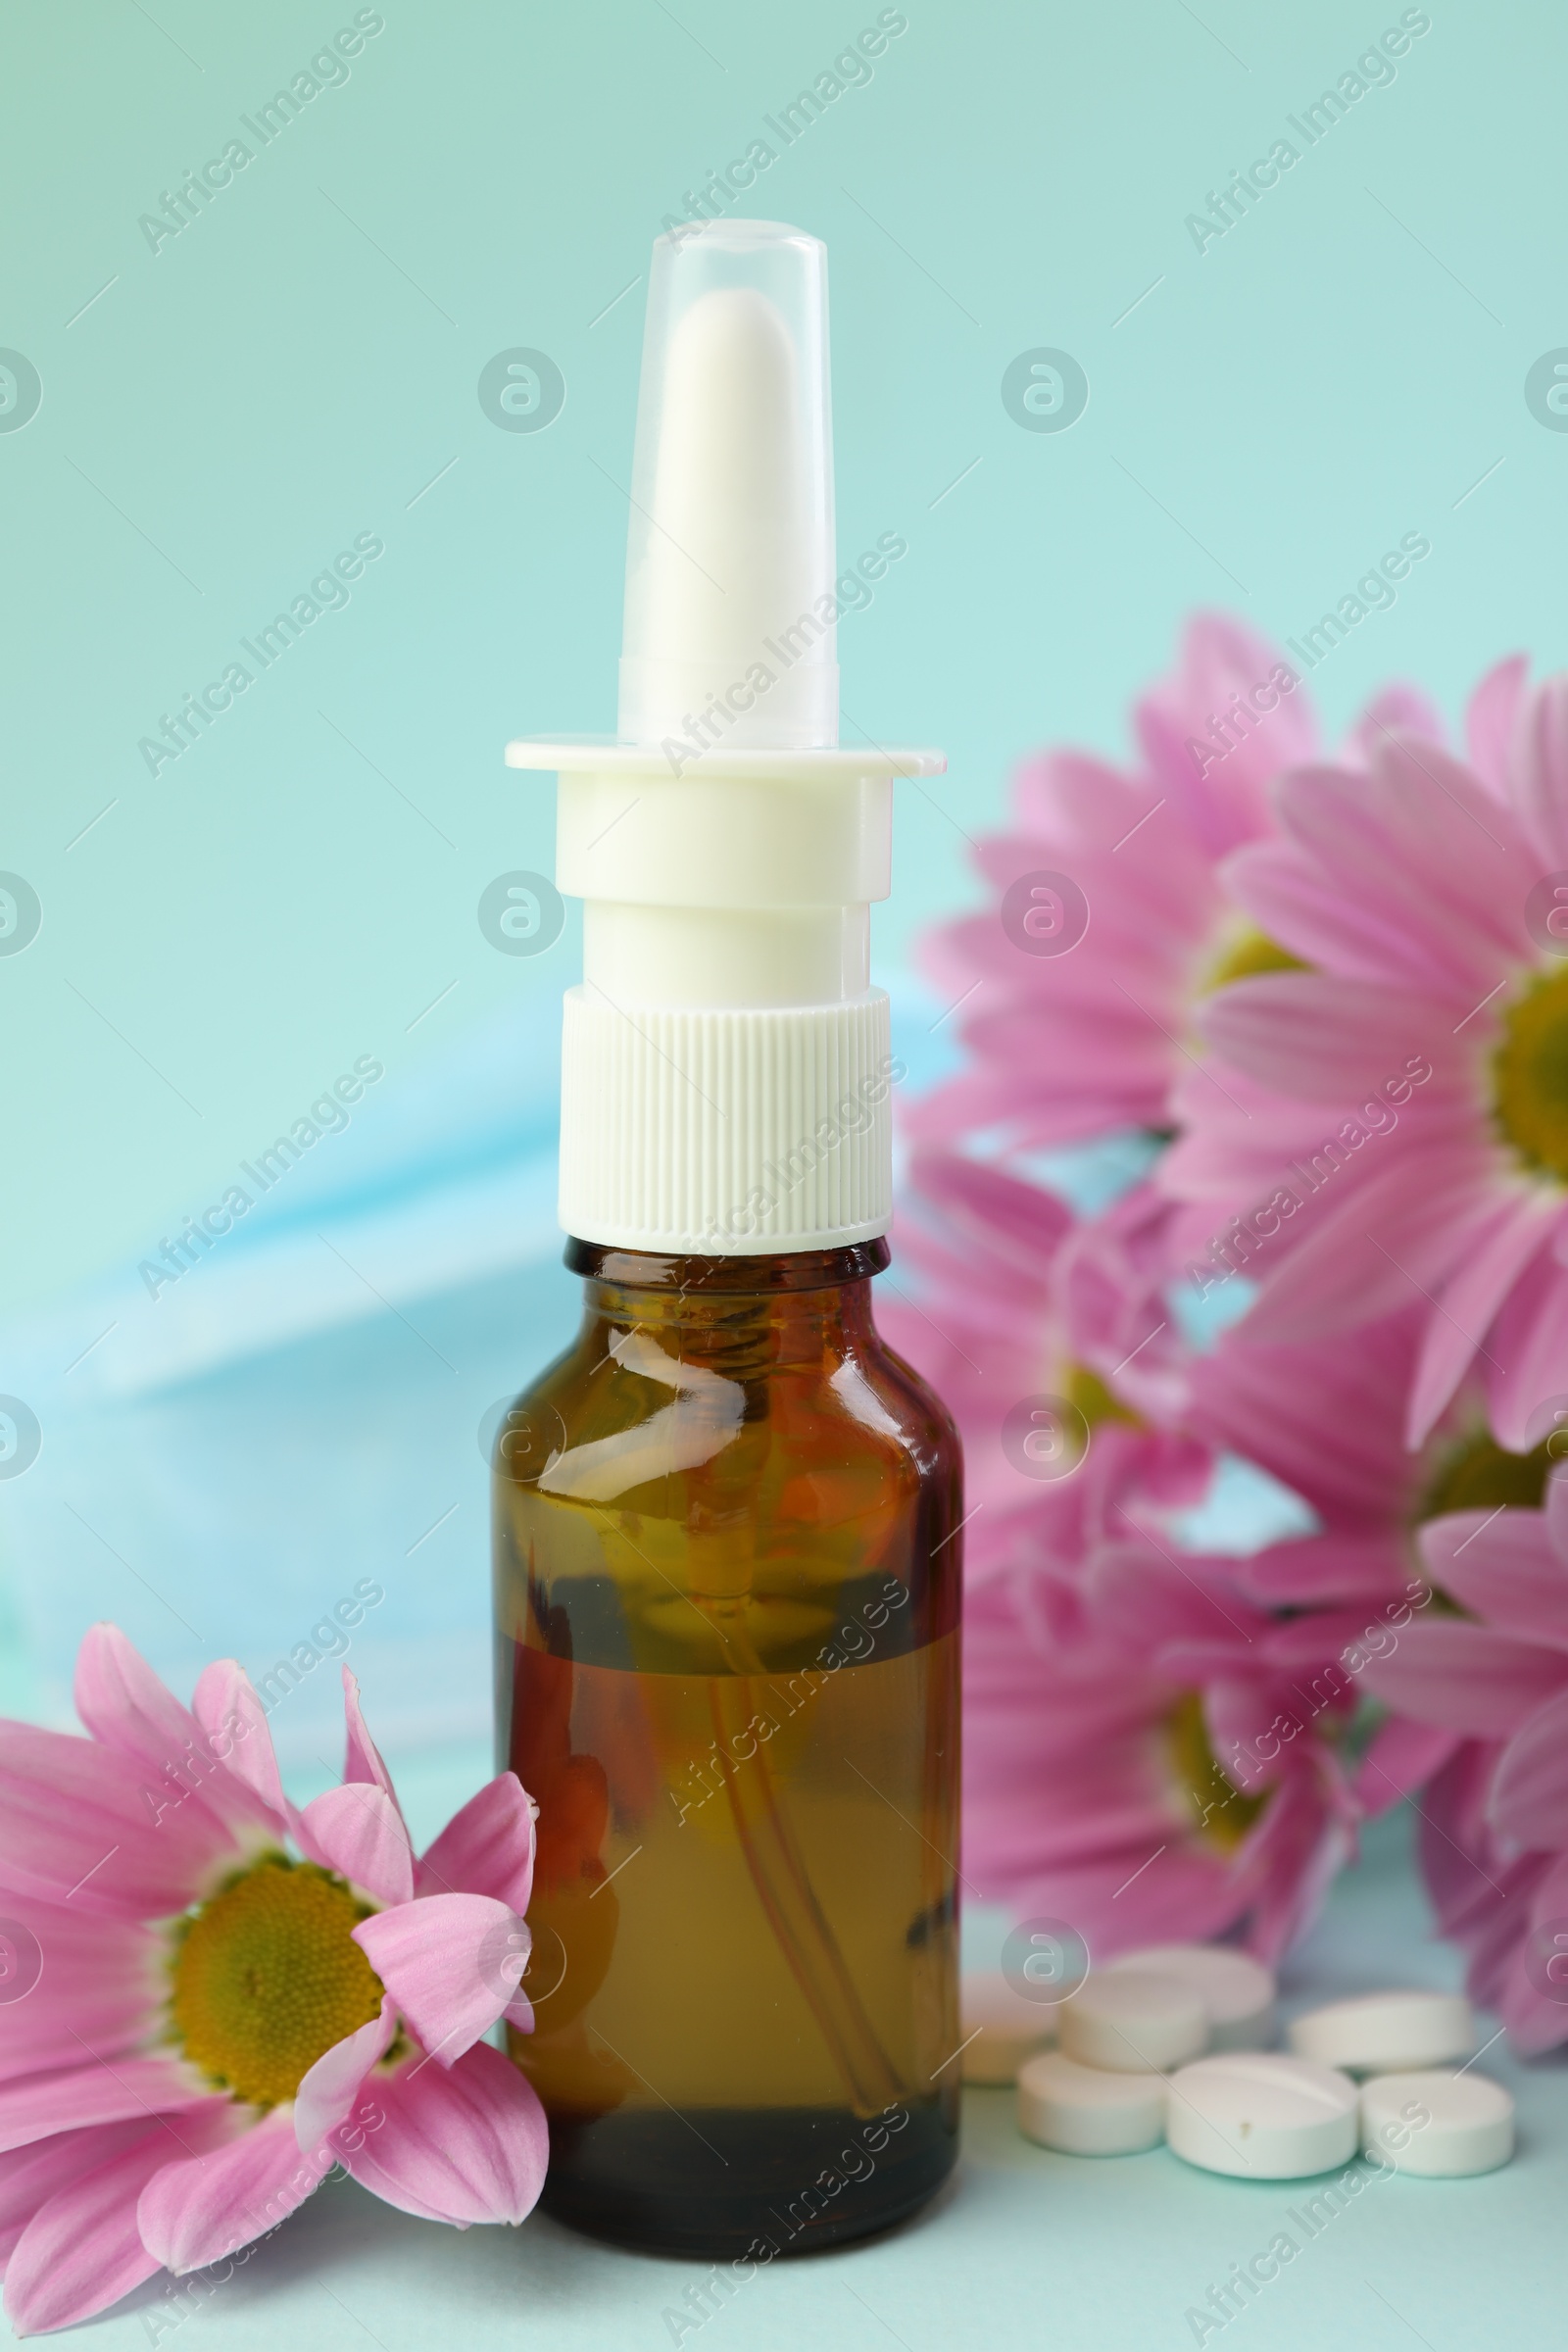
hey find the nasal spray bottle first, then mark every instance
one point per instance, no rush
(726, 1520)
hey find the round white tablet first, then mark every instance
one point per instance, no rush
(1004, 2023)
(1440, 2126)
(1133, 2020)
(1261, 2117)
(1237, 1990)
(1086, 2111)
(1387, 2032)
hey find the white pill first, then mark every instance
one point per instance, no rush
(1086, 2111)
(1442, 2126)
(1387, 2032)
(1006, 2024)
(1237, 1990)
(1261, 2117)
(1131, 2019)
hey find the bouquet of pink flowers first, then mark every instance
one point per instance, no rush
(1320, 1000)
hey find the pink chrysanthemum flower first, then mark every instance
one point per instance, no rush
(1015, 1300)
(1065, 1046)
(1326, 1418)
(1493, 1685)
(1401, 1105)
(1068, 1046)
(1128, 1762)
(201, 2022)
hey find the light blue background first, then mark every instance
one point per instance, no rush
(300, 365)
(278, 377)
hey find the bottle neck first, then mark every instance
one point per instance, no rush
(737, 1316)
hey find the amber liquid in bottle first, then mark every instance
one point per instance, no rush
(727, 1576)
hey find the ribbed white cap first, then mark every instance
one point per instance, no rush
(719, 1131)
(727, 1068)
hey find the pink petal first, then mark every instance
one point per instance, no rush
(1342, 1272)
(99, 1987)
(363, 1760)
(1193, 1602)
(1072, 798)
(1468, 1301)
(1314, 1570)
(1325, 1421)
(451, 1962)
(229, 1711)
(1220, 656)
(1237, 1155)
(992, 1209)
(464, 2145)
(1527, 1348)
(123, 1705)
(1529, 1793)
(1295, 1850)
(1402, 1756)
(1338, 1040)
(1502, 1567)
(1538, 771)
(79, 1822)
(196, 2212)
(1494, 1922)
(1181, 1894)
(1453, 1840)
(332, 2086)
(487, 1847)
(1533, 2022)
(1315, 1638)
(1292, 900)
(1422, 844)
(1238, 1709)
(357, 1830)
(82, 2250)
(1401, 709)
(1465, 1678)
(34, 2106)
(1490, 718)
(29, 2176)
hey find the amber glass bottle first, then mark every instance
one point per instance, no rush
(727, 1645)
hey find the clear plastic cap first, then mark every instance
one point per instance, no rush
(729, 635)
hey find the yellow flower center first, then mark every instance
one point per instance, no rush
(1530, 1075)
(1220, 1811)
(1477, 1474)
(1089, 1392)
(1246, 957)
(267, 1977)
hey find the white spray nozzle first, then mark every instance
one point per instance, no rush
(730, 618)
(726, 1062)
